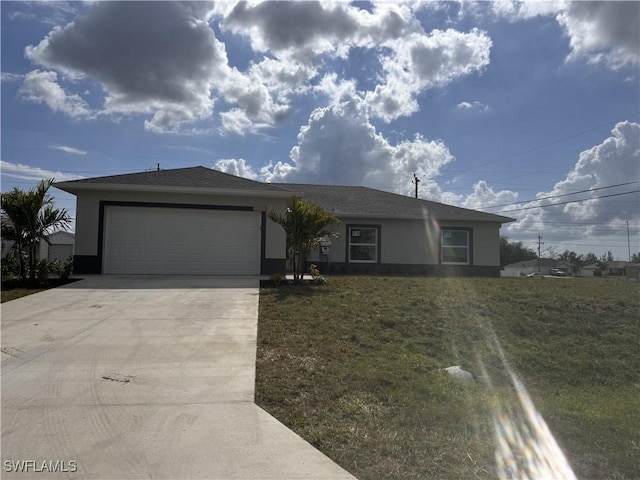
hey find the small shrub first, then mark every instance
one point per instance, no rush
(66, 269)
(10, 266)
(276, 278)
(62, 269)
(43, 269)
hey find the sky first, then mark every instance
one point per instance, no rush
(505, 107)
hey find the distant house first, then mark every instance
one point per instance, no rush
(615, 268)
(542, 265)
(126, 224)
(589, 270)
(60, 246)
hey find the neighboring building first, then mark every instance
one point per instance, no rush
(589, 270)
(615, 268)
(201, 221)
(520, 269)
(60, 246)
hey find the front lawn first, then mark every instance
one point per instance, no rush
(354, 367)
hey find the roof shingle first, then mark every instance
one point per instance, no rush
(340, 200)
(369, 202)
(192, 177)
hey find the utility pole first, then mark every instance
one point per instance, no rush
(628, 241)
(416, 181)
(540, 243)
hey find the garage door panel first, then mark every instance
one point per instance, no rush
(190, 241)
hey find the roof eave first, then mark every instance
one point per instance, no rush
(419, 217)
(75, 188)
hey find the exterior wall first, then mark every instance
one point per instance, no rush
(89, 230)
(64, 240)
(413, 247)
(511, 272)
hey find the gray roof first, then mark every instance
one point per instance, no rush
(369, 202)
(191, 177)
(340, 200)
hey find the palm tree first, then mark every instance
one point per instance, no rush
(31, 217)
(305, 226)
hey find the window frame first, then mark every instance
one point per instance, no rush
(377, 244)
(468, 247)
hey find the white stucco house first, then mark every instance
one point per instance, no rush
(200, 221)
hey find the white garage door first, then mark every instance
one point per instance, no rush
(141, 240)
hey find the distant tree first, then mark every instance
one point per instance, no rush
(603, 261)
(571, 257)
(305, 224)
(551, 252)
(31, 217)
(589, 259)
(512, 252)
(635, 257)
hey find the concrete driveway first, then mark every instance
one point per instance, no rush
(142, 377)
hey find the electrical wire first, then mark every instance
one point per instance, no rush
(562, 195)
(570, 201)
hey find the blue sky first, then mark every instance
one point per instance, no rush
(488, 103)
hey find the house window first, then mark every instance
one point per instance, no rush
(363, 244)
(455, 247)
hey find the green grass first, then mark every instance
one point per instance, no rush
(354, 367)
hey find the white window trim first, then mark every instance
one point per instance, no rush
(467, 247)
(375, 260)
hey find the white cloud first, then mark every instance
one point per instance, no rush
(43, 87)
(27, 172)
(306, 30)
(474, 106)
(515, 10)
(340, 145)
(418, 62)
(483, 197)
(7, 77)
(236, 166)
(72, 150)
(174, 80)
(141, 68)
(615, 161)
(603, 32)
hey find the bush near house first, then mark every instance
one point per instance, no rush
(48, 275)
(354, 367)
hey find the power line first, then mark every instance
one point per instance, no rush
(570, 201)
(562, 195)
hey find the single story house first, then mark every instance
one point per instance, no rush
(60, 246)
(542, 265)
(200, 221)
(613, 268)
